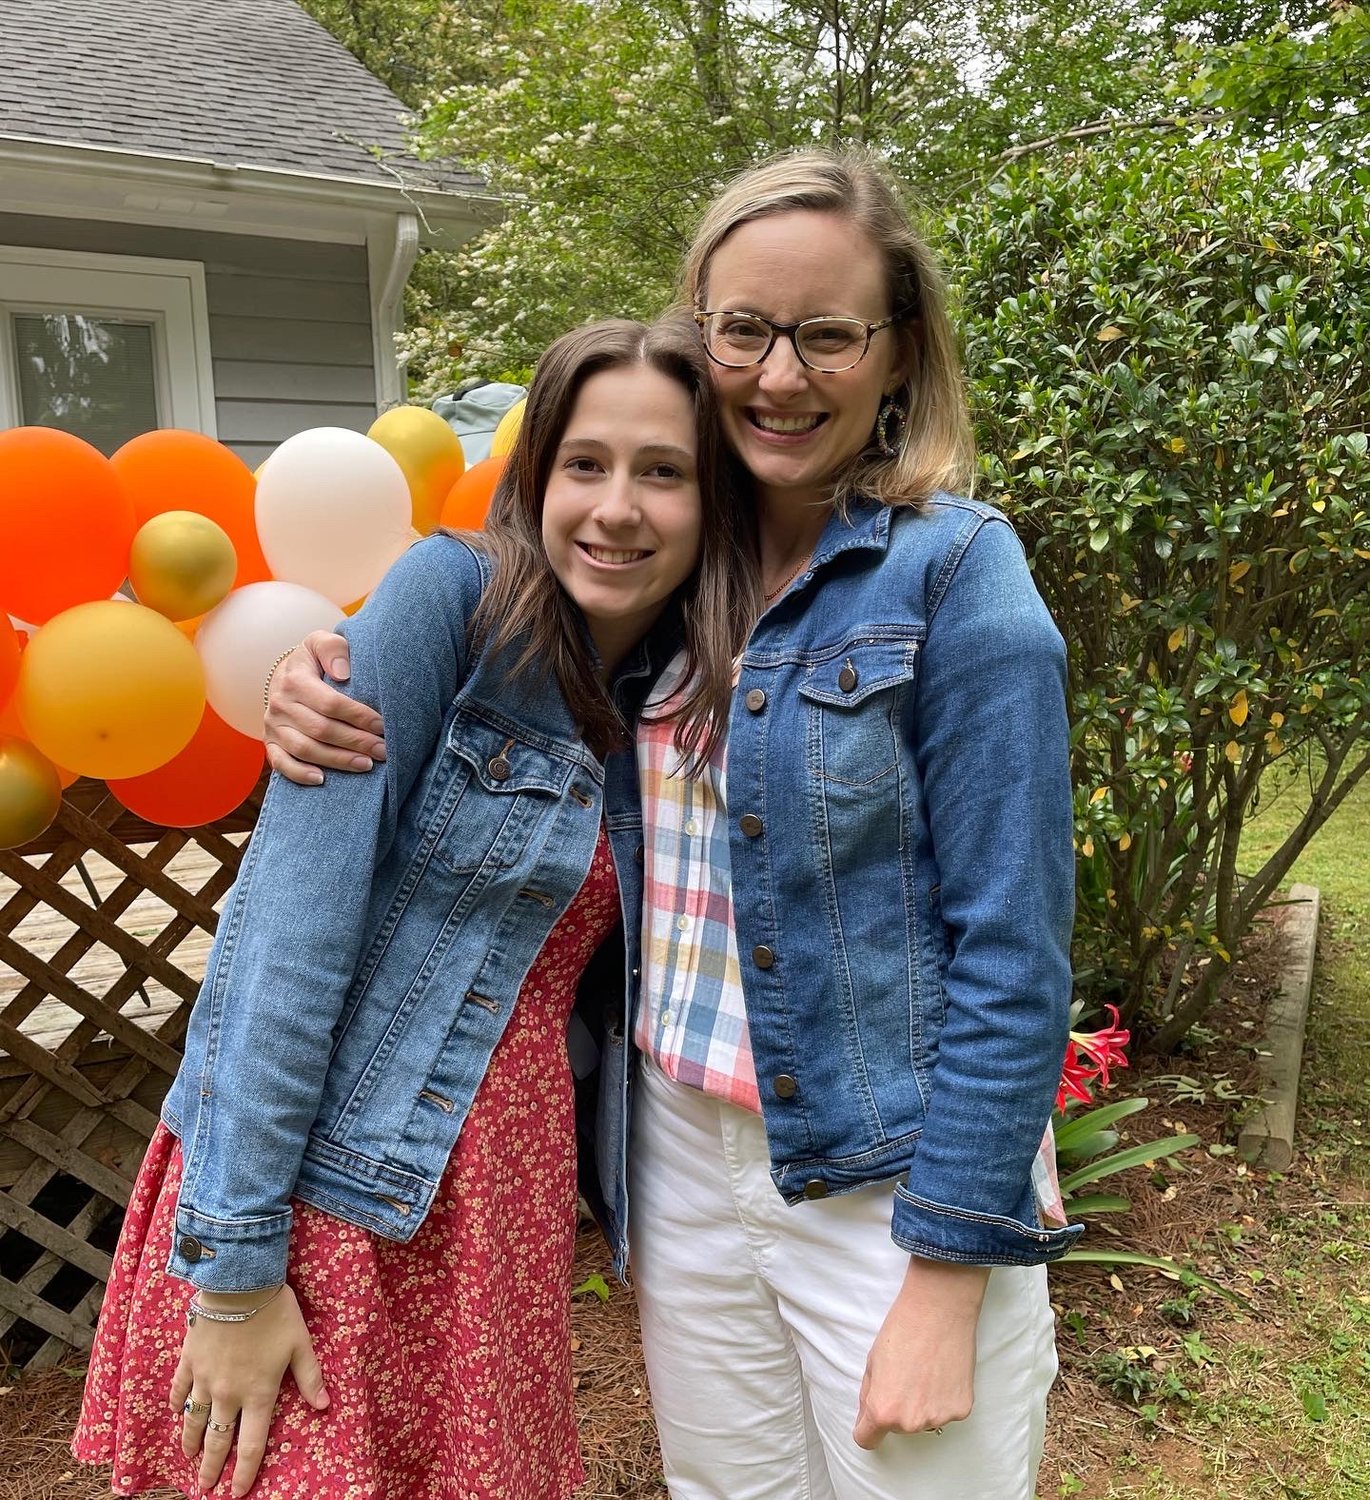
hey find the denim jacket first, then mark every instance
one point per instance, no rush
(379, 931)
(903, 880)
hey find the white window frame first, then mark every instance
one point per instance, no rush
(169, 294)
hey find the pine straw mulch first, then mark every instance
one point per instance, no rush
(1206, 1210)
(1248, 1230)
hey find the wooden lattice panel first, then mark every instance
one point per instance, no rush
(105, 926)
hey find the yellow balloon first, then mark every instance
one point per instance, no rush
(428, 451)
(110, 690)
(30, 792)
(506, 434)
(181, 564)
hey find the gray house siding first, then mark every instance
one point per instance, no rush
(289, 322)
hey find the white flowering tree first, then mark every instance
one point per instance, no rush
(607, 123)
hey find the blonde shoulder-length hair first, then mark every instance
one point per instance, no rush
(935, 449)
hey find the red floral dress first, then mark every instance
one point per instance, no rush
(446, 1360)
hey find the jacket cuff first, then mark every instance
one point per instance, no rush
(220, 1255)
(937, 1231)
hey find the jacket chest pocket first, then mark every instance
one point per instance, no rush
(853, 697)
(496, 788)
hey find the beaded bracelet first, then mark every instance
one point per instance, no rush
(196, 1309)
(266, 686)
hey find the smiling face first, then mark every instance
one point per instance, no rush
(621, 515)
(794, 428)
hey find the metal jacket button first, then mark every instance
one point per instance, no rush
(816, 1188)
(750, 824)
(755, 700)
(847, 678)
(191, 1249)
(784, 1085)
(499, 768)
(762, 956)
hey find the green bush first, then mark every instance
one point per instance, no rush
(1166, 340)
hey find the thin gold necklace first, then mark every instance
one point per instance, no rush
(780, 588)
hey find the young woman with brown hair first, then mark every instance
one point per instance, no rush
(365, 1173)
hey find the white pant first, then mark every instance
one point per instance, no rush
(757, 1319)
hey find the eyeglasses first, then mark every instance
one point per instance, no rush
(827, 346)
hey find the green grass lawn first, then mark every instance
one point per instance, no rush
(1277, 1402)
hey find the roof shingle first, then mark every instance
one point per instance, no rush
(238, 82)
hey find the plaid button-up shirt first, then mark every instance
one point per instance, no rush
(692, 1020)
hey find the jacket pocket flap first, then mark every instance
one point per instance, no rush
(857, 670)
(505, 763)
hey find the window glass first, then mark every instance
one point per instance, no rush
(94, 377)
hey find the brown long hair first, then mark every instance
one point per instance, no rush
(526, 603)
(935, 446)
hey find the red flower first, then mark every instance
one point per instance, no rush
(1105, 1047)
(1089, 1057)
(1075, 1077)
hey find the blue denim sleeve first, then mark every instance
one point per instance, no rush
(290, 938)
(992, 746)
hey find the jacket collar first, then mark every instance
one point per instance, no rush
(865, 525)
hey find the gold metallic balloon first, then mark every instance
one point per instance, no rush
(30, 792)
(181, 564)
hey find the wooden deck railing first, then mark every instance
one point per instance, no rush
(105, 925)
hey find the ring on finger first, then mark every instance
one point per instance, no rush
(193, 1408)
(220, 1426)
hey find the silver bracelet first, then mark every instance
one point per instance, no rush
(196, 1309)
(266, 686)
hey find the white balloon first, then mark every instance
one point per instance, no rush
(333, 512)
(240, 639)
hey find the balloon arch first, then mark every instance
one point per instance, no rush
(145, 597)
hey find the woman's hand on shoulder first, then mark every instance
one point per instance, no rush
(920, 1373)
(309, 723)
(235, 1371)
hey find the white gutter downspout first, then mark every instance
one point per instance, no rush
(391, 257)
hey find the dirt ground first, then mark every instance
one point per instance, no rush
(1186, 1209)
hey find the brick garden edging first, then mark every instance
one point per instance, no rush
(1267, 1138)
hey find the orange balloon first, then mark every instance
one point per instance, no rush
(10, 646)
(66, 523)
(110, 689)
(13, 726)
(468, 501)
(175, 470)
(206, 781)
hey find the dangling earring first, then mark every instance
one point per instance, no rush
(891, 413)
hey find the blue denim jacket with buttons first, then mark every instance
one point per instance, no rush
(903, 879)
(903, 910)
(381, 926)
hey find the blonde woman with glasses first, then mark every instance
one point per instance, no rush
(846, 1003)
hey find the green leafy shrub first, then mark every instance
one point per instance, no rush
(1166, 342)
